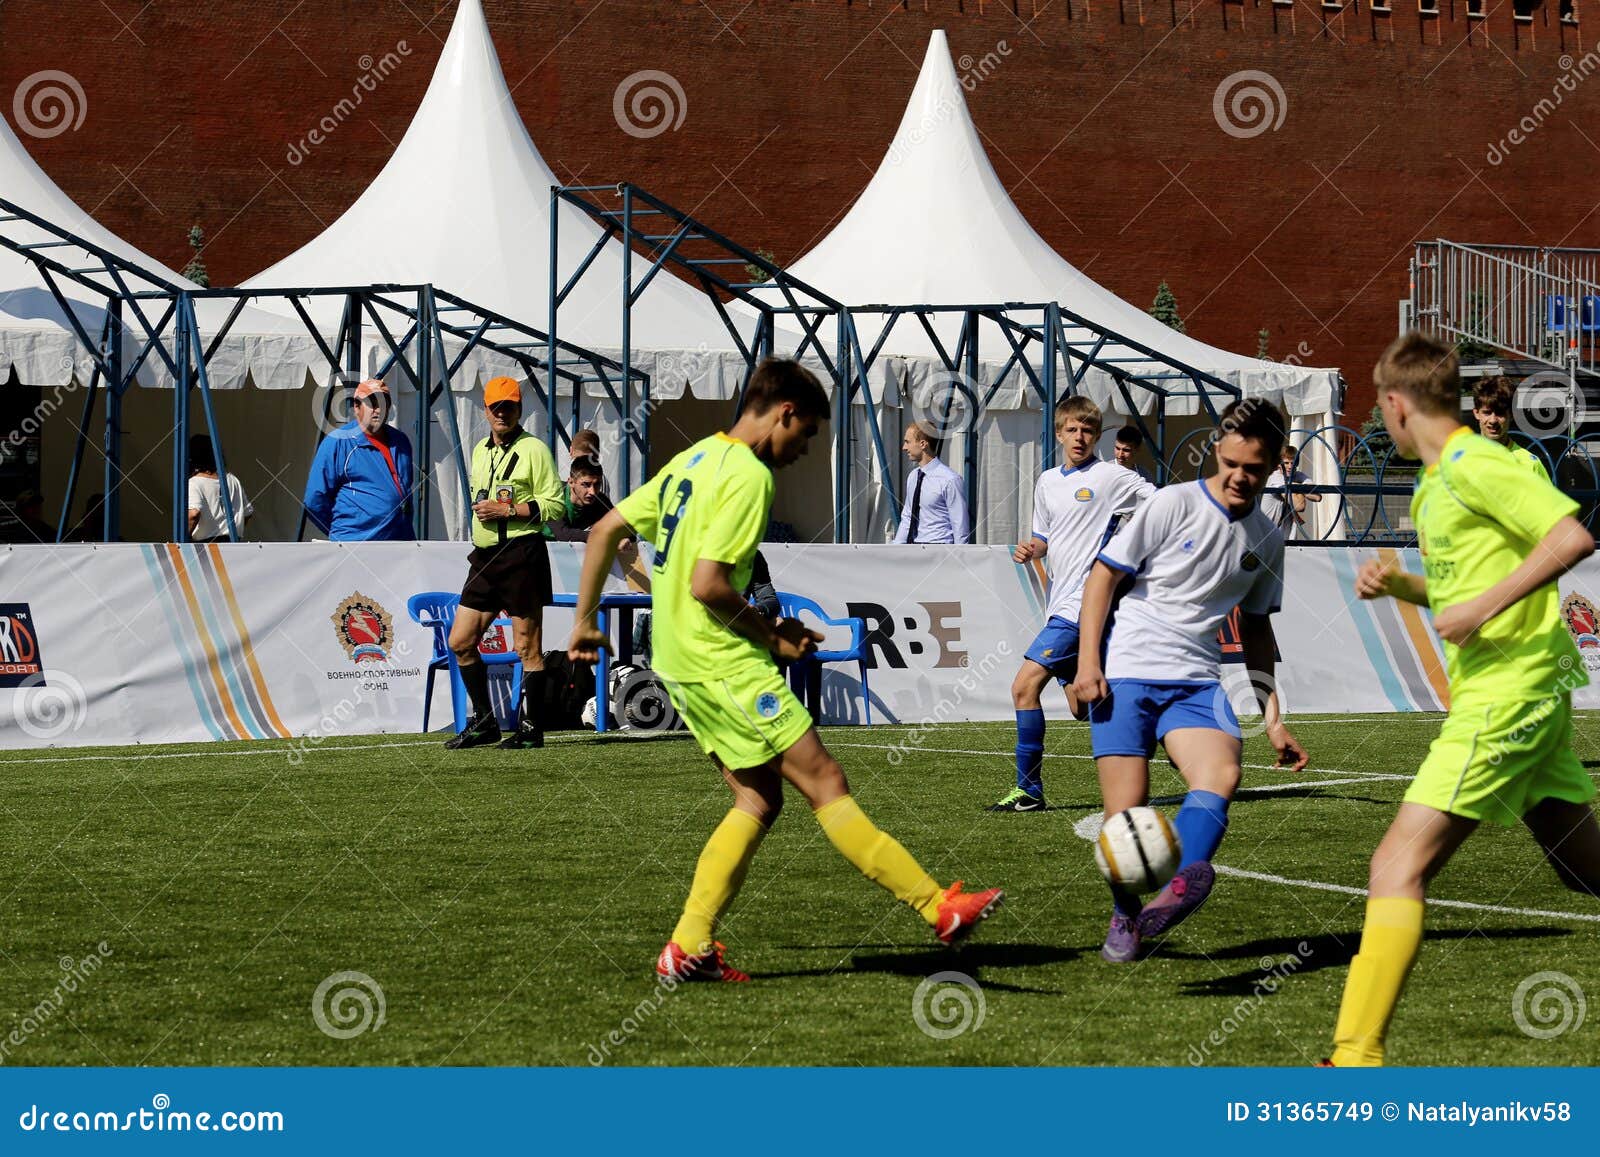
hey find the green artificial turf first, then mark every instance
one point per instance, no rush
(510, 906)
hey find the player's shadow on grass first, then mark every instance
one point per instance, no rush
(1313, 953)
(920, 963)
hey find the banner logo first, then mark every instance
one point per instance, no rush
(20, 660)
(1583, 620)
(364, 628)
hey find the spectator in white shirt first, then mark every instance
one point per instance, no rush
(208, 517)
(936, 505)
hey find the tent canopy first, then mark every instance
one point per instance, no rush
(464, 204)
(935, 226)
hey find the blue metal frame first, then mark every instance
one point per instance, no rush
(699, 253)
(128, 289)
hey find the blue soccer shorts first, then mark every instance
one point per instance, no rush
(1138, 714)
(1055, 648)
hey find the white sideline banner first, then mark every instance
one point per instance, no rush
(160, 643)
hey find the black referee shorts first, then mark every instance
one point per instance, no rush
(513, 577)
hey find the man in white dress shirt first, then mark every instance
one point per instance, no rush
(936, 504)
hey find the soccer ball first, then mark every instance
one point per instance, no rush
(591, 711)
(1137, 850)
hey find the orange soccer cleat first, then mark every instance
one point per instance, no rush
(960, 912)
(679, 965)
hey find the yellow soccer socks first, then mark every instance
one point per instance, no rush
(879, 857)
(1390, 939)
(717, 877)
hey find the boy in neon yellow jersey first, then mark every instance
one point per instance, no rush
(705, 514)
(1494, 537)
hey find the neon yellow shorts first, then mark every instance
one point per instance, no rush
(1496, 761)
(745, 720)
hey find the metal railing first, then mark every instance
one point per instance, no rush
(1539, 304)
(1370, 503)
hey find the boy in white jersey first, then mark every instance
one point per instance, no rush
(1196, 551)
(1076, 508)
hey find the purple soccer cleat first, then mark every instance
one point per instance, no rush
(1122, 940)
(1183, 894)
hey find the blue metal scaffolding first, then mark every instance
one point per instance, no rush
(1040, 338)
(424, 315)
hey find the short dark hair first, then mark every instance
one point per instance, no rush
(201, 454)
(924, 431)
(1425, 370)
(1130, 436)
(780, 380)
(1494, 395)
(1257, 419)
(587, 467)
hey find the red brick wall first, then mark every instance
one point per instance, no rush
(1101, 126)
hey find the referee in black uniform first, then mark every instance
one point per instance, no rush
(515, 489)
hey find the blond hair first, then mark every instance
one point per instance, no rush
(1081, 408)
(1425, 370)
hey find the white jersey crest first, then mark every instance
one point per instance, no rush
(1075, 511)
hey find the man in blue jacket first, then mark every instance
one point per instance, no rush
(360, 484)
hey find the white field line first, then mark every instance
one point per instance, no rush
(1368, 776)
(1345, 889)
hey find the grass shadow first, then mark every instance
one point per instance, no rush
(1328, 950)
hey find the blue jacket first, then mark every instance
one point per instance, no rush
(351, 495)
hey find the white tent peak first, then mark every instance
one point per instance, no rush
(935, 226)
(464, 205)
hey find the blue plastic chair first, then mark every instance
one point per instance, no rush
(1555, 316)
(436, 610)
(791, 606)
(1589, 319)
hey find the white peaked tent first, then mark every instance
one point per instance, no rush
(935, 226)
(464, 204)
(35, 335)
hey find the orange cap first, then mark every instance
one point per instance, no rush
(371, 386)
(502, 390)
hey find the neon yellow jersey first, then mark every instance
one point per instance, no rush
(711, 502)
(1479, 512)
(1529, 460)
(521, 471)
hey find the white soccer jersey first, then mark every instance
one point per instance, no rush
(1193, 564)
(1075, 511)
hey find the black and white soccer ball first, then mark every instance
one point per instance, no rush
(1138, 850)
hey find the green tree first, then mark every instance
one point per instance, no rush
(754, 272)
(195, 271)
(1165, 308)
